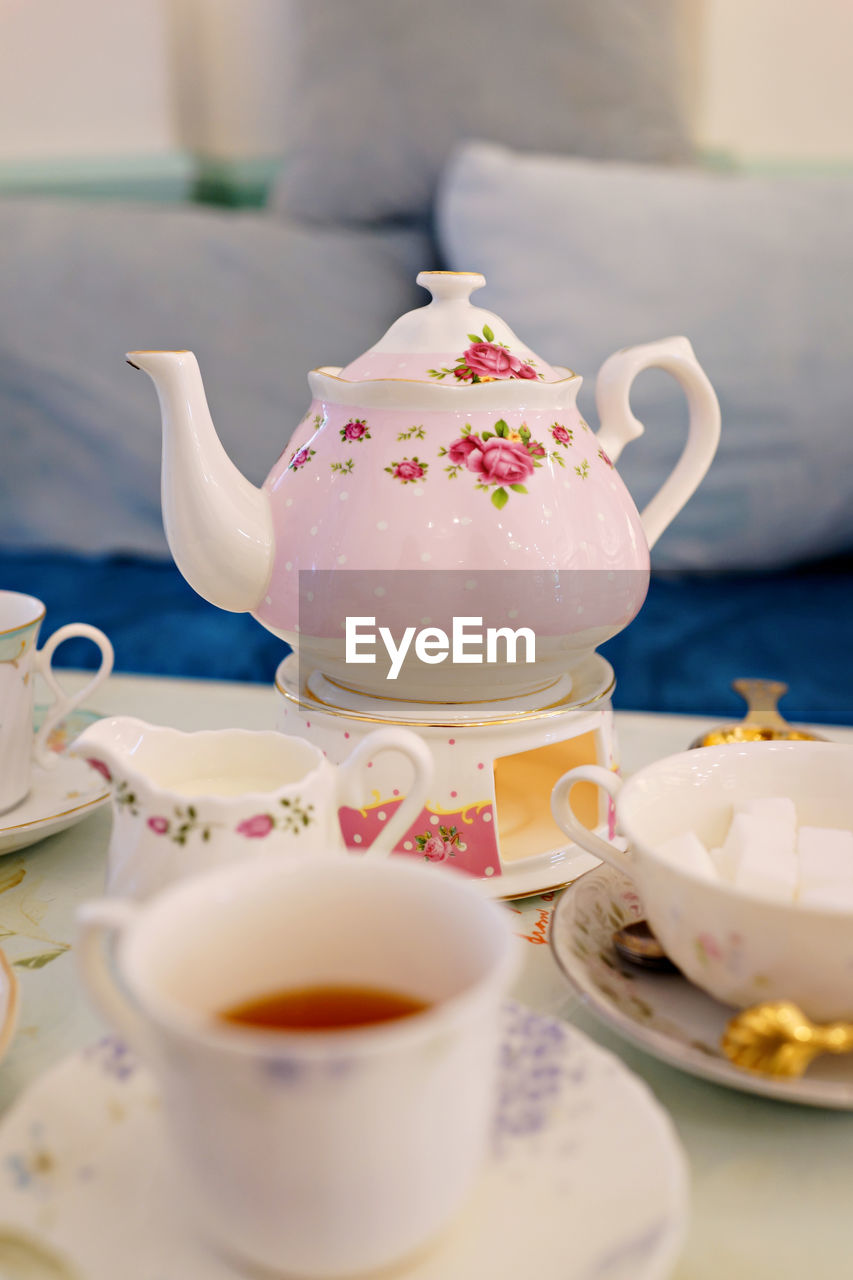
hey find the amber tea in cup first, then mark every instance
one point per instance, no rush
(335, 1007)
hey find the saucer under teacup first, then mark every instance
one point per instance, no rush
(664, 1013)
(577, 1135)
(59, 796)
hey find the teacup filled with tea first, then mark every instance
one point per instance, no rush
(325, 1037)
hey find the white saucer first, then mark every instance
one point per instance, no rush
(663, 1013)
(587, 1178)
(519, 881)
(58, 797)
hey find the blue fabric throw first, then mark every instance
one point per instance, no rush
(694, 635)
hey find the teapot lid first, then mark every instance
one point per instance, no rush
(450, 341)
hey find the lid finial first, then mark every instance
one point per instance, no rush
(451, 286)
(432, 343)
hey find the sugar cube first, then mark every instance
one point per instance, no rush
(764, 855)
(826, 857)
(724, 867)
(838, 894)
(688, 851)
(772, 809)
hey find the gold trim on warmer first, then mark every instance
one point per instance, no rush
(550, 712)
(425, 702)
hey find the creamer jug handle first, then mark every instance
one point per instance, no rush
(619, 426)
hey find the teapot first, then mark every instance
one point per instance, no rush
(447, 446)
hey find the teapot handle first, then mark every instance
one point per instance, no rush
(619, 426)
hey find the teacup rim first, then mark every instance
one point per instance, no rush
(202, 1028)
(40, 606)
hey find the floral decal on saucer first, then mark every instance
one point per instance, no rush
(408, 470)
(355, 431)
(604, 901)
(501, 459)
(487, 361)
(441, 845)
(538, 1062)
(113, 1057)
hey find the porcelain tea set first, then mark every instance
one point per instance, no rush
(444, 473)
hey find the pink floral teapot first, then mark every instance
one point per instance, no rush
(448, 445)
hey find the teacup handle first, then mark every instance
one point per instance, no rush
(66, 702)
(575, 830)
(101, 923)
(351, 781)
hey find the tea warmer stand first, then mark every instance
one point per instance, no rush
(496, 763)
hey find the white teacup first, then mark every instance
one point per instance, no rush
(20, 661)
(320, 1153)
(739, 946)
(188, 802)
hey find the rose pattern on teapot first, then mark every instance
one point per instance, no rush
(500, 458)
(487, 361)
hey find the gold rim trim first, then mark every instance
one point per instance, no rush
(8, 1028)
(527, 893)
(23, 625)
(549, 712)
(66, 813)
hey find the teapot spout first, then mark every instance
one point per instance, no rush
(218, 525)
